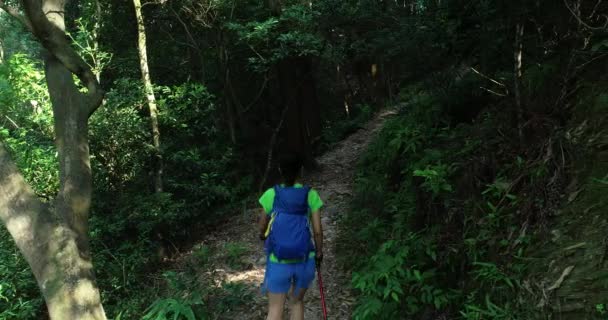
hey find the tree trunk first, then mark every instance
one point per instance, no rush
(149, 90)
(1, 52)
(52, 249)
(231, 113)
(54, 239)
(517, 58)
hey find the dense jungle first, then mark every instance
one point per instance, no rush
(460, 148)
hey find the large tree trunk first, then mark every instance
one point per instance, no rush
(149, 90)
(62, 270)
(54, 237)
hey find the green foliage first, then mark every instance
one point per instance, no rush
(188, 298)
(488, 310)
(19, 297)
(201, 165)
(388, 287)
(165, 309)
(394, 269)
(291, 34)
(179, 308)
(435, 179)
(400, 238)
(87, 45)
(120, 139)
(440, 196)
(202, 254)
(489, 272)
(23, 82)
(15, 38)
(234, 254)
(26, 130)
(337, 126)
(232, 295)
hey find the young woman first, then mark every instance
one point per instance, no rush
(289, 209)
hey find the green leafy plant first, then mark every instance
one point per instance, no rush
(232, 295)
(488, 311)
(387, 284)
(235, 252)
(19, 297)
(173, 308)
(185, 301)
(87, 45)
(489, 272)
(435, 178)
(202, 254)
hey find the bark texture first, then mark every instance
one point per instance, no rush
(63, 272)
(149, 90)
(54, 237)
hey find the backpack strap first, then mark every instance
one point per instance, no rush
(308, 188)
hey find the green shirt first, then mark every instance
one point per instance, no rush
(267, 201)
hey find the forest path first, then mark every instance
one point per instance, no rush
(334, 182)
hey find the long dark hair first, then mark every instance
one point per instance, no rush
(290, 166)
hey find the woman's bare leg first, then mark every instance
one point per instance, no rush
(276, 301)
(297, 305)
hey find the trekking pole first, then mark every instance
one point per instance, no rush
(320, 280)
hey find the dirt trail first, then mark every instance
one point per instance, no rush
(333, 180)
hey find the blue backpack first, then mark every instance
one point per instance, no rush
(289, 236)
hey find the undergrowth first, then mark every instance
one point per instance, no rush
(444, 214)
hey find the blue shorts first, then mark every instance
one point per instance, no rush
(280, 277)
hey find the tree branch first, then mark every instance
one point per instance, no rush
(15, 13)
(271, 145)
(258, 96)
(52, 36)
(20, 209)
(191, 38)
(583, 23)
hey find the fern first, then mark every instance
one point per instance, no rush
(173, 309)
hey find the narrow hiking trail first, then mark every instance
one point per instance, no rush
(334, 181)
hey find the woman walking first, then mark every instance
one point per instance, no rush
(289, 210)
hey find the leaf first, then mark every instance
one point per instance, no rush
(602, 181)
(437, 303)
(600, 45)
(491, 206)
(395, 296)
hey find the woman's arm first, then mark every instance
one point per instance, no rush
(263, 224)
(318, 234)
